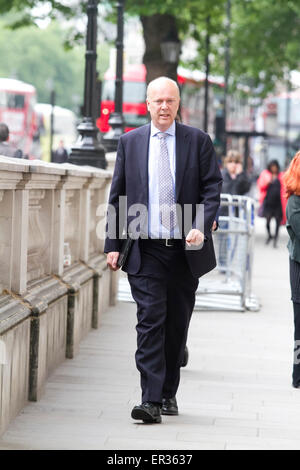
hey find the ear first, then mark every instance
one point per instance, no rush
(148, 104)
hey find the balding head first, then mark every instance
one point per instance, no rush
(163, 102)
(162, 82)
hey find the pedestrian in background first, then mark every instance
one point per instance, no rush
(235, 182)
(60, 155)
(272, 199)
(235, 179)
(292, 183)
(7, 149)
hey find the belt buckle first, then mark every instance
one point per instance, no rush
(167, 239)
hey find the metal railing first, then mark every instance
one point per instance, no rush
(229, 286)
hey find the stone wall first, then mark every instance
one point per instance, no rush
(54, 280)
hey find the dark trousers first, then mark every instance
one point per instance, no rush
(296, 366)
(164, 290)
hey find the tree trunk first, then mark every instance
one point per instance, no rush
(156, 28)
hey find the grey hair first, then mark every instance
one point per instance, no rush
(160, 79)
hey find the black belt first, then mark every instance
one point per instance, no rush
(166, 241)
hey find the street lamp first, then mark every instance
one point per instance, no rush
(52, 102)
(287, 118)
(116, 120)
(88, 150)
(226, 71)
(50, 86)
(170, 48)
(207, 69)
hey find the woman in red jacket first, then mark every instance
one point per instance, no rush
(272, 199)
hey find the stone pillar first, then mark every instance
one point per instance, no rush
(13, 226)
(78, 276)
(97, 260)
(14, 358)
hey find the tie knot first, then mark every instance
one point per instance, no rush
(162, 135)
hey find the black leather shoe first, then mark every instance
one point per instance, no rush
(148, 412)
(169, 406)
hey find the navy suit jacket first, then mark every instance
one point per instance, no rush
(198, 181)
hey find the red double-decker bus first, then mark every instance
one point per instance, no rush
(134, 96)
(17, 110)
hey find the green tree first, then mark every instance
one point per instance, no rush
(265, 41)
(37, 56)
(158, 19)
(264, 33)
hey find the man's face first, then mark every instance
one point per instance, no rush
(163, 103)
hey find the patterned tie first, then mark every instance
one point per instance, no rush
(167, 208)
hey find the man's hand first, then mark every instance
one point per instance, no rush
(194, 237)
(215, 226)
(112, 258)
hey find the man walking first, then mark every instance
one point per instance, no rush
(166, 167)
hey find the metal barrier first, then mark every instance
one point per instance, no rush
(229, 286)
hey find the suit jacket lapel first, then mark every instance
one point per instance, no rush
(143, 153)
(182, 149)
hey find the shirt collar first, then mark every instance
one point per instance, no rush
(170, 131)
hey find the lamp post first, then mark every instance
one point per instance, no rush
(207, 69)
(116, 120)
(287, 119)
(52, 102)
(227, 70)
(170, 48)
(88, 150)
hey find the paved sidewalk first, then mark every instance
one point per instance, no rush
(235, 391)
